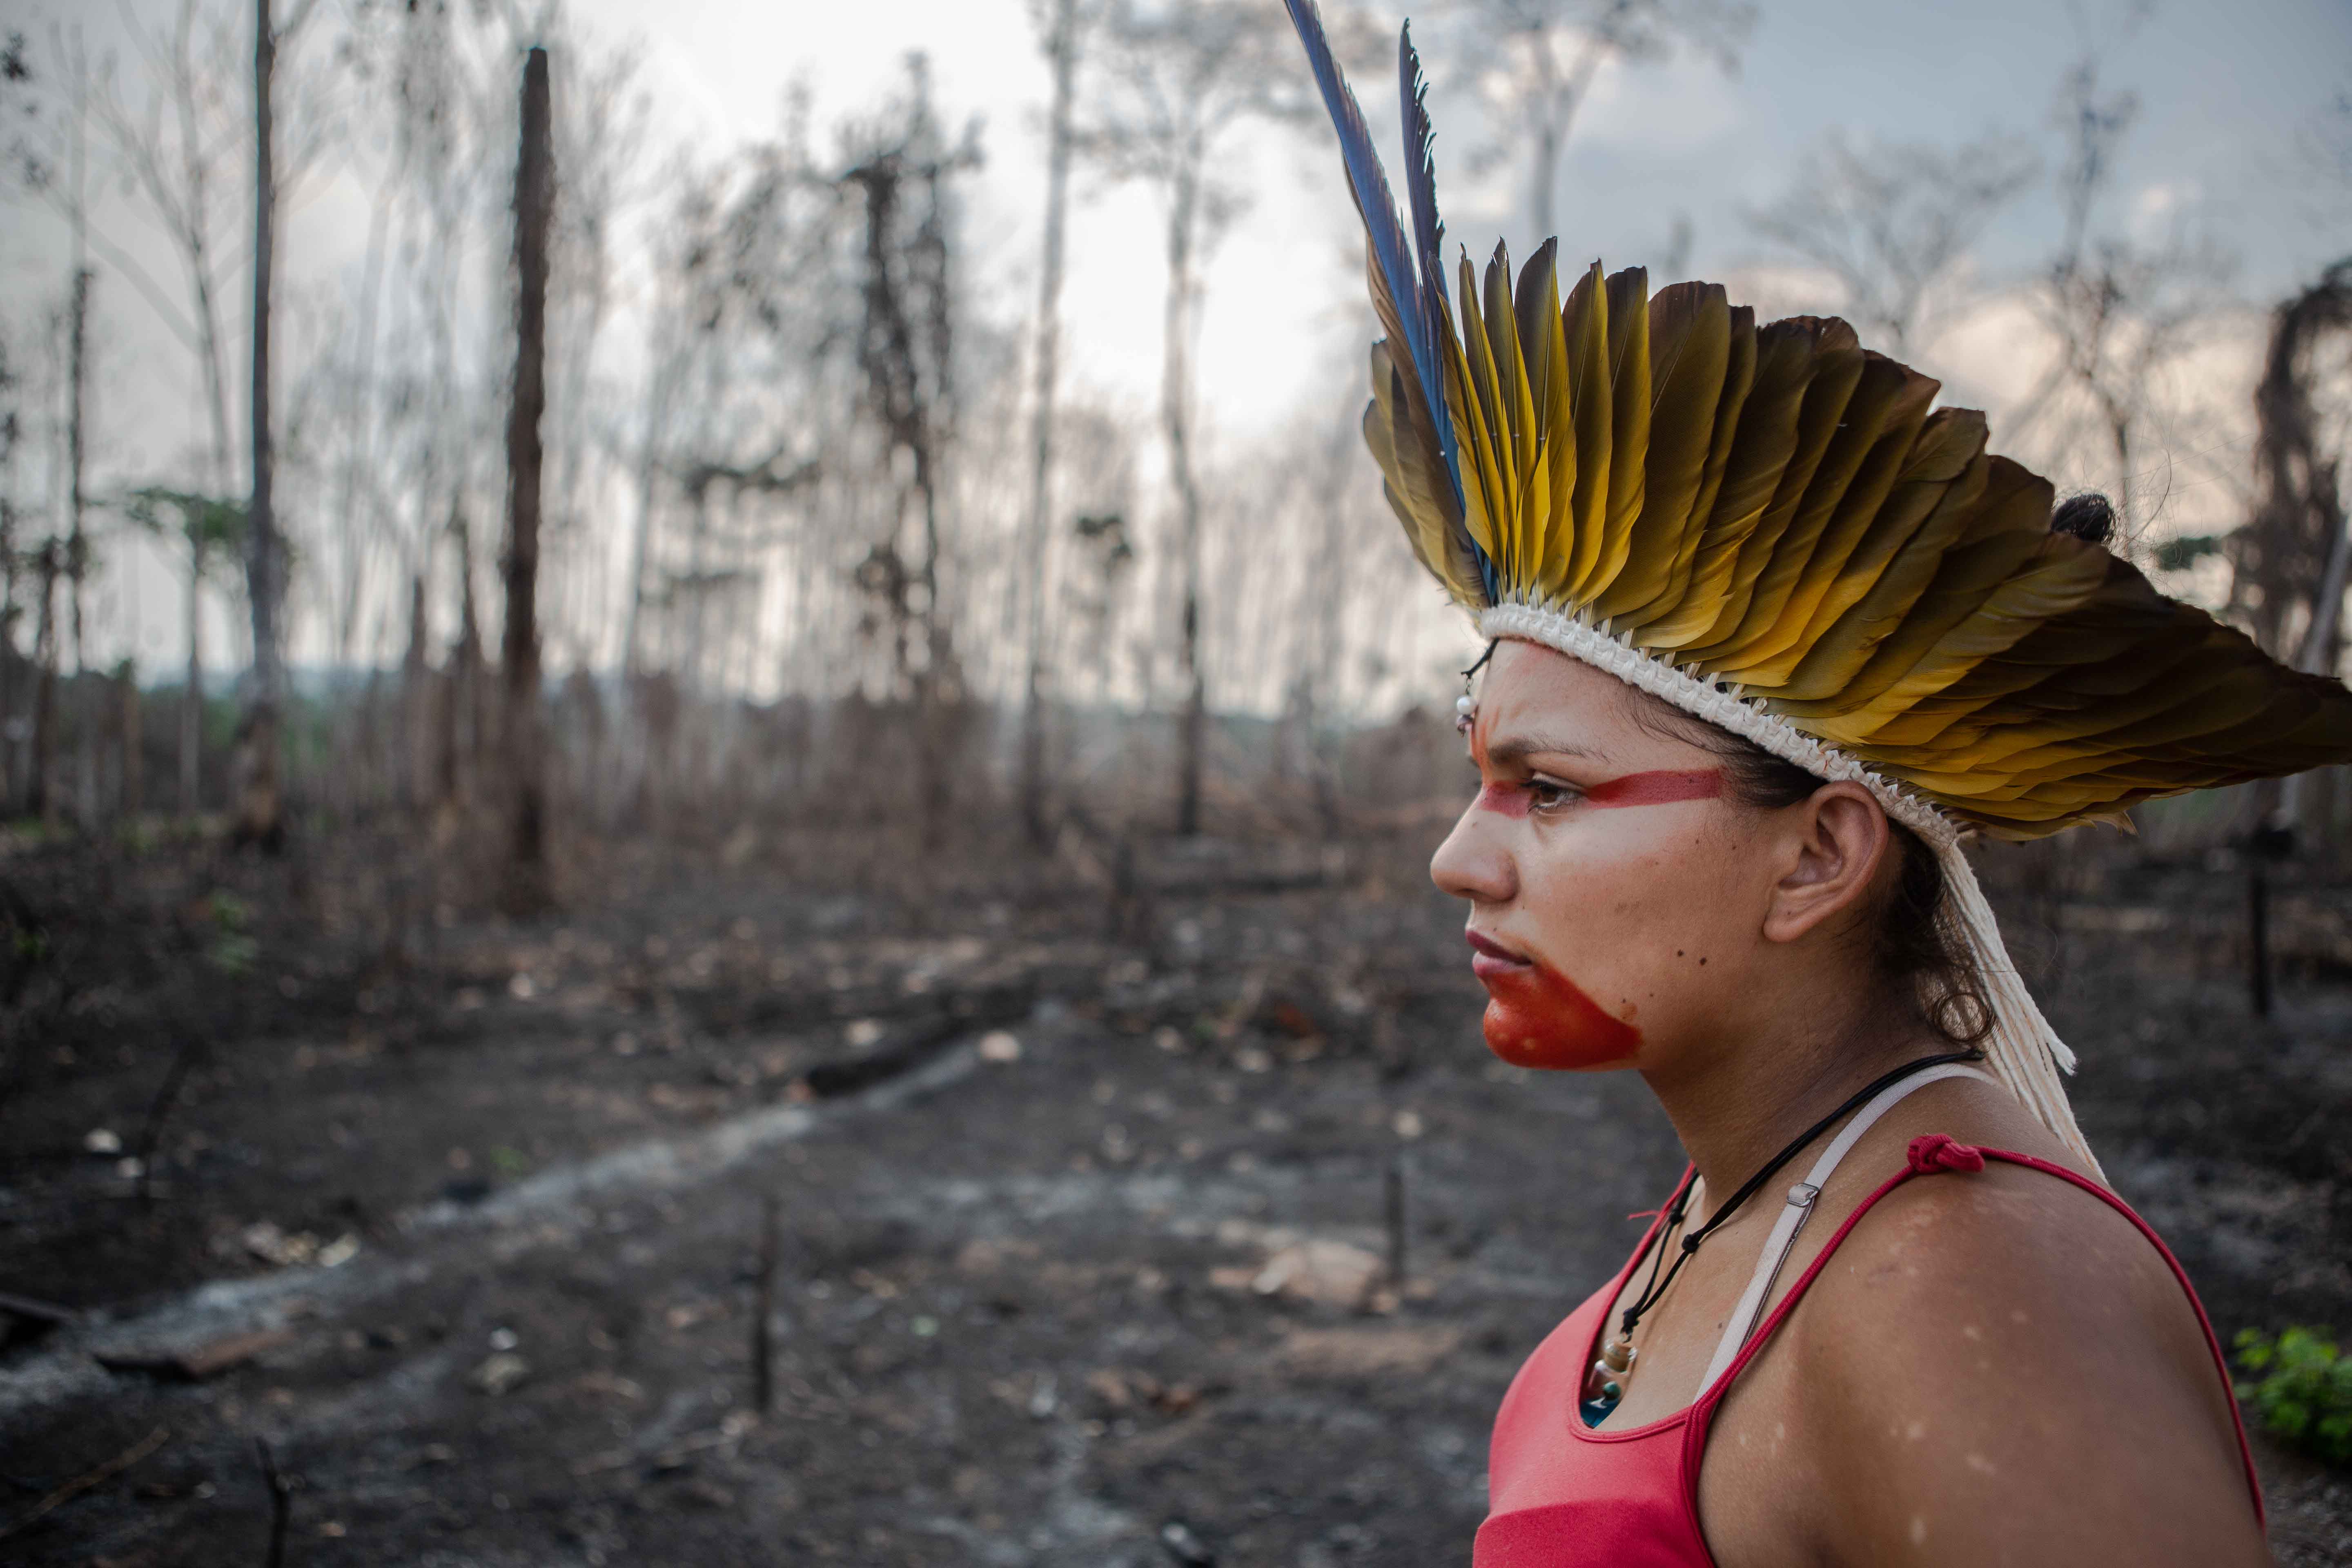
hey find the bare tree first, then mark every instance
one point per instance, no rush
(603, 120)
(2288, 560)
(12, 557)
(1062, 24)
(48, 565)
(1184, 76)
(176, 147)
(259, 809)
(211, 531)
(1891, 221)
(905, 350)
(2123, 314)
(1536, 62)
(534, 204)
(79, 280)
(669, 349)
(2324, 150)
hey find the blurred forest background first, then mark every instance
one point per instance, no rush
(535, 637)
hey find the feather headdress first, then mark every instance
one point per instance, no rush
(1772, 528)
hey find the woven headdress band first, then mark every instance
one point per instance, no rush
(1776, 531)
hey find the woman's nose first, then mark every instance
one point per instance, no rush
(1474, 863)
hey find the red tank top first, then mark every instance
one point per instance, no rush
(1561, 1495)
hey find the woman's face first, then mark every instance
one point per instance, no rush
(1617, 899)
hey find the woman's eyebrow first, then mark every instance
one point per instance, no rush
(1519, 748)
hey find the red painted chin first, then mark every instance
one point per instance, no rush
(1535, 1016)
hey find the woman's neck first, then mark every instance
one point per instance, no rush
(1742, 1105)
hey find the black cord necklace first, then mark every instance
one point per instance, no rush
(1605, 1383)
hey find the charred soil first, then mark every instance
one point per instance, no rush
(1088, 1212)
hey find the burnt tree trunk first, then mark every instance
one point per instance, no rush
(131, 784)
(45, 685)
(464, 735)
(905, 352)
(419, 735)
(1175, 412)
(261, 817)
(192, 699)
(527, 889)
(77, 401)
(1062, 46)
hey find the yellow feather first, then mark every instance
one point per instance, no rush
(1584, 324)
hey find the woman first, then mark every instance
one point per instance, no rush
(1995, 1367)
(1768, 637)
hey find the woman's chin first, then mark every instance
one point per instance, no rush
(1538, 1017)
(1559, 1044)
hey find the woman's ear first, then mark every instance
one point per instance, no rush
(1839, 836)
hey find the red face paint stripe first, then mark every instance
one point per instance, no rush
(1660, 788)
(1510, 800)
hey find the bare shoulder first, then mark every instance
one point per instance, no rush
(1998, 1364)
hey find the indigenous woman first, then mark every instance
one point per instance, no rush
(1769, 634)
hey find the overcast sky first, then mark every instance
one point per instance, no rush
(2229, 94)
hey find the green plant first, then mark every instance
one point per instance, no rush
(2302, 1389)
(231, 950)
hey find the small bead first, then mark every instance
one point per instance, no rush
(1463, 706)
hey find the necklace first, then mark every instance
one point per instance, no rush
(1605, 1383)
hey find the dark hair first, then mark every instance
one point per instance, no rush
(1910, 946)
(2089, 516)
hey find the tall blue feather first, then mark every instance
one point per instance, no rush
(1420, 299)
(1428, 242)
(1421, 186)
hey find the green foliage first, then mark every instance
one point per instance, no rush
(231, 947)
(2302, 1390)
(212, 527)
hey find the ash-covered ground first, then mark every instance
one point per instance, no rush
(1086, 1211)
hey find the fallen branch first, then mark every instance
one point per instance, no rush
(989, 1010)
(39, 1312)
(97, 1478)
(672, 1457)
(198, 1363)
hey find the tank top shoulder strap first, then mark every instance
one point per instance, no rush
(1933, 1154)
(1798, 1208)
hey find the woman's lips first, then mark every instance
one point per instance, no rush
(1492, 959)
(1536, 1018)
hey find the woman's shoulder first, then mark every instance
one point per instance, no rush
(1979, 1248)
(1995, 1346)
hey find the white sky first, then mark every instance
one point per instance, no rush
(2227, 91)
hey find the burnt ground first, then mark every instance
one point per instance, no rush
(1083, 1209)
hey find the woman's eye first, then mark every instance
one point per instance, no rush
(1545, 796)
